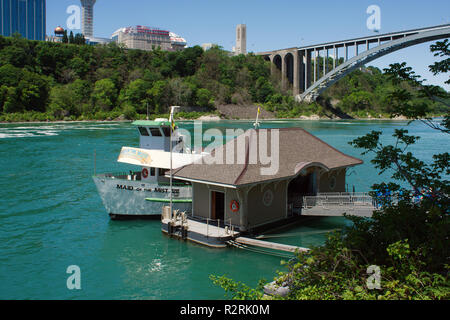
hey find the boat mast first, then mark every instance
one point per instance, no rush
(172, 125)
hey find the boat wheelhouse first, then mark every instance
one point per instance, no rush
(142, 193)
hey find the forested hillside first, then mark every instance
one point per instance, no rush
(53, 81)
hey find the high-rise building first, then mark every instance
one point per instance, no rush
(26, 17)
(148, 38)
(241, 39)
(87, 18)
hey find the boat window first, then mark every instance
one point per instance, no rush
(143, 131)
(152, 172)
(155, 132)
(166, 131)
(162, 172)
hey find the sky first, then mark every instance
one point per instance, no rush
(271, 25)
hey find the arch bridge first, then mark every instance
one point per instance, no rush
(309, 70)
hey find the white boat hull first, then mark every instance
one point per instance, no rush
(127, 198)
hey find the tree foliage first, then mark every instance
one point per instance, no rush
(118, 80)
(191, 77)
(407, 237)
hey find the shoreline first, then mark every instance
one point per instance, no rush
(216, 118)
(204, 120)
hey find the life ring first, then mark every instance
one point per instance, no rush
(234, 206)
(145, 173)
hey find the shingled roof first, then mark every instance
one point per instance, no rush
(298, 149)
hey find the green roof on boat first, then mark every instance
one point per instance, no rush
(168, 200)
(151, 123)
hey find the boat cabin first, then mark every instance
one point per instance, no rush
(155, 134)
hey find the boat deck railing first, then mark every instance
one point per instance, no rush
(219, 223)
(137, 176)
(130, 175)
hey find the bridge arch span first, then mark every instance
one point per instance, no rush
(299, 66)
(313, 92)
(289, 63)
(277, 61)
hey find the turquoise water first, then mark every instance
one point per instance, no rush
(51, 216)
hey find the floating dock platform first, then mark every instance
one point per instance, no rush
(206, 234)
(183, 227)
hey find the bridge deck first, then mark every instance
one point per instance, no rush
(361, 40)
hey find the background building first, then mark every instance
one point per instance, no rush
(207, 46)
(147, 38)
(177, 42)
(241, 39)
(58, 35)
(26, 17)
(87, 18)
(96, 40)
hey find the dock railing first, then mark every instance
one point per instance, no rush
(215, 223)
(339, 199)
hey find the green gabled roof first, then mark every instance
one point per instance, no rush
(149, 123)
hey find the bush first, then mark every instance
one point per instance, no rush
(204, 98)
(129, 112)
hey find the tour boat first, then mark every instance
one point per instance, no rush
(143, 193)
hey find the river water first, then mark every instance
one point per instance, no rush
(51, 216)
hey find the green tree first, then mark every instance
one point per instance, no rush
(136, 95)
(263, 90)
(16, 55)
(160, 96)
(204, 98)
(65, 38)
(71, 38)
(358, 100)
(104, 94)
(10, 75)
(79, 66)
(63, 102)
(183, 93)
(34, 91)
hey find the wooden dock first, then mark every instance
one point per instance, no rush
(199, 232)
(269, 245)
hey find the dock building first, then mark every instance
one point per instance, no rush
(245, 199)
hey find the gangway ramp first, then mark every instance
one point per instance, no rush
(336, 204)
(269, 245)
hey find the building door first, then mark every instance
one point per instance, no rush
(299, 187)
(217, 205)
